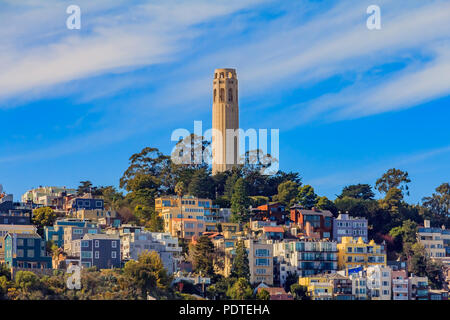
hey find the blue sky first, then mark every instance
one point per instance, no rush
(350, 103)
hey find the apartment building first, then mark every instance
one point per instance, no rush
(134, 244)
(260, 256)
(305, 257)
(328, 286)
(400, 285)
(321, 221)
(48, 196)
(23, 250)
(353, 253)
(418, 288)
(379, 282)
(14, 212)
(99, 250)
(74, 232)
(13, 228)
(346, 226)
(55, 233)
(436, 242)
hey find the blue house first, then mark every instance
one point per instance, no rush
(26, 251)
(86, 203)
(100, 250)
(55, 233)
(14, 212)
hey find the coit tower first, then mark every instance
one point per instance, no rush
(225, 116)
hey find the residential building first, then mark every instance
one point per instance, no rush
(328, 286)
(277, 293)
(320, 220)
(98, 215)
(305, 257)
(135, 243)
(379, 282)
(14, 212)
(354, 253)
(359, 285)
(436, 242)
(55, 233)
(186, 228)
(48, 196)
(272, 211)
(73, 232)
(260, 257)
(400, 285)
(273, 233)
(86, 202)
(13, 228)
(437, 295)
(27, 251)
(418, 288)
(346, 226)
(100, 250)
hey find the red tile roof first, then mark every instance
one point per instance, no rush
(273, 229)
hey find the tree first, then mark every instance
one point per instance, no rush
(150, 174)
(439, 202)
(291, 278)
(240, 267)
(27, 280)
(147, 274)
(44, 216)
(202, 256)
(230, 183)
(407, 232)
(299, 292)
(241, 290)
(323, 203)
(263, 295)
(393, 178)
(306, 196)
(358, 191)
(287, 192)
(113, 199)
(201, 185)
(84, 187)
(239, 202)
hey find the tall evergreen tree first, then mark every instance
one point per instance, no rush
(240, 267)
(239, 202)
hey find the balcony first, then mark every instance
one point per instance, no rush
(400, 281)
(399, 290)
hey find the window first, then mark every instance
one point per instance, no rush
(20, 253)
(230, 95)
(114, 244)
(85, 244)
(86, 254)
(98, 204)
(113, 254)
(20, 242)
(222, 95)
(30, 253)
(97, 254)
(97, 243)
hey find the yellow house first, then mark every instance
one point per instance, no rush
(354, 253)
(318, 287)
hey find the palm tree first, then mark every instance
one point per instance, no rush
(180, 189)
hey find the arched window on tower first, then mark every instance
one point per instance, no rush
(222, 95)
(230, 95)
(215, 95)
